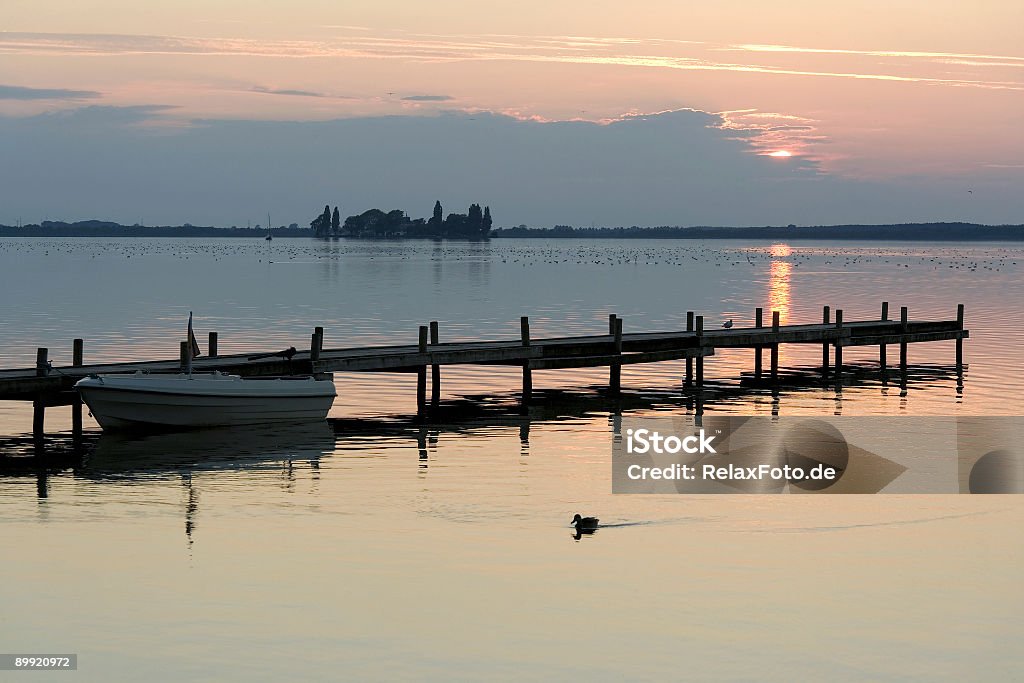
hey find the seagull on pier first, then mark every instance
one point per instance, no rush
(727, 324)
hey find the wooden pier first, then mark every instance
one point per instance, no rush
(46, 385)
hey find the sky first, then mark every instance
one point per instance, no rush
(605, 113)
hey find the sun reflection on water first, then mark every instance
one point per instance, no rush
(779, 288)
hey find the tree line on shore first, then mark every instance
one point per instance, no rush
(474, 224)
(955, 231)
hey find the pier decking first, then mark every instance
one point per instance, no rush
(46, 385)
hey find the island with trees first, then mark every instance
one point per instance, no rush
(375, 224)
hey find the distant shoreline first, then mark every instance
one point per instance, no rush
(933, 232)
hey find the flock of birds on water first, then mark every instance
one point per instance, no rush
(523, 253)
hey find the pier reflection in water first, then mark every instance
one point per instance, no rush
(138, 458)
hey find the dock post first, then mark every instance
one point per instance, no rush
(615, 372)
(38, 404)
(76, 403)
(421, 374)
(903, 349)
(611, 323)
(524, 336)
(689, 361)
(882, 360)
(211, 346)
(959, 339)
(42, 364)
(316, 345)
(758, 356)
(825, 319)
(185, 357)
(839, 348)
(699, 320)
(435, 369)
(775, 348)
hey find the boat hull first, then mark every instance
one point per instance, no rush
(182, 403)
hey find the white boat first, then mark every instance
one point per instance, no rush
(144, 400)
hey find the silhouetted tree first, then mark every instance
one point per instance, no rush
(475, 219)
(317, 226)
(475, 223)
(376, 223)
(436, 221)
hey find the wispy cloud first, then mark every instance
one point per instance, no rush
(286, 91)
(768, 132)
(428, 98)
(882, 65)
(16, 92)
(872, 53)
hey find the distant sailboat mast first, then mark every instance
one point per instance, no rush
(269, 236)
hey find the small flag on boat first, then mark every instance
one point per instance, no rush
(192, 343)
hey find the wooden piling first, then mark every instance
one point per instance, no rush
(185, 357)
(42, 364)
(316, 345)
(959, 339)
(615, 371)
(758, 322)
(421, 373)
(903, 348)
(699, 323)
(775, 348)
(524, 337)
(688, 381)
(211, 345)
(882, 360)
(77, 360)
(435, 369)
(825, 319)
(839, 347)
(38, 404)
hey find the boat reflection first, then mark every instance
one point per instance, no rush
(208, 449)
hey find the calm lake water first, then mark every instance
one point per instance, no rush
(378, 548)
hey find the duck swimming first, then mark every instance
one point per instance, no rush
(585, 523)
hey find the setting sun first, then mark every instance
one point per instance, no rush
(780, 153)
